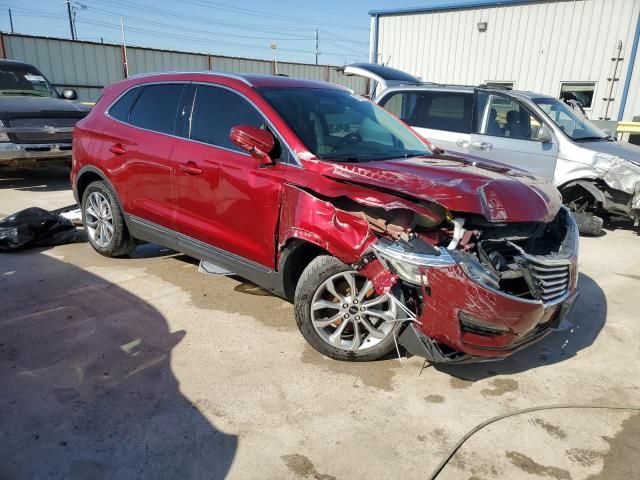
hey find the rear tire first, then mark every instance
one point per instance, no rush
(103, 221)
(364, 323)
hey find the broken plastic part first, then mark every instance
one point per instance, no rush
(212, 269)
(458, 233)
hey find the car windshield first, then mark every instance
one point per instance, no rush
(337, 125)
(573, 125)
(24, 80)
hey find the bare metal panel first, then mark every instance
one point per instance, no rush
(536, 45)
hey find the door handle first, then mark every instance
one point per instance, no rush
(462, 143)
(190, 168)
(117, 149)
(482, 145)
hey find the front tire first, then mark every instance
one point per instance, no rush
(103, 221)
(341, 316)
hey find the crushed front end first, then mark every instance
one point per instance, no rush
(479, 290)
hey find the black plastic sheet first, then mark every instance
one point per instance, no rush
(35, 227)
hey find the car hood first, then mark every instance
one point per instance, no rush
(627, 151)
(21, 105)
(461, 184)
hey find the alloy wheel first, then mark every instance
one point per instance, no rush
(99, 219)
(348, 314)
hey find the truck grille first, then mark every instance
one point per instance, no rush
(547, 281)
(41, 137)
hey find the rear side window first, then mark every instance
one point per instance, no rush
(448, 111)
(120, 110)
(156, 108)
(216, 111)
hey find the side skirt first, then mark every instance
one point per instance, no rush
(260, 275)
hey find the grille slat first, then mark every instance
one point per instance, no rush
(41, 137)
(550, 281)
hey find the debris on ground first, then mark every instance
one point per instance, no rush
(36, 227)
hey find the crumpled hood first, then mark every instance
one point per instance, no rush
(627, 151)
(22, 105)
(461, 184)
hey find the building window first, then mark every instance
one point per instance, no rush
(578, 91)
(499, 84)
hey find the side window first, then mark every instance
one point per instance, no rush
(401, 104)
(120, 110)
(156, 108)
(500, 116)
(448, 111)
(215, 111)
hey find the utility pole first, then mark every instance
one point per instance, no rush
(11, 20)
(125, 65)
(274, 47)
(317, 46)
(73, 34)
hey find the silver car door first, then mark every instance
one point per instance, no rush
(507, 131)
(443, 117)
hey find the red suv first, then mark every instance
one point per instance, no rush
(329, 201)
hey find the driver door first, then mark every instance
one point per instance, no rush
(507, 131)
(224, 198)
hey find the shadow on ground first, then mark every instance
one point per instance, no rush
(42, 179)
(87, 386)
(578, 331)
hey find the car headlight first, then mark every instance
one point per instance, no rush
(3, 135)
(407, 260)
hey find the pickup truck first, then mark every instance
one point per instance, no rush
(36, 122)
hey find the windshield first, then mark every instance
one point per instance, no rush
(573, 125)
(337, 125)
(24, 80)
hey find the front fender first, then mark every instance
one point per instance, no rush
(343, 234)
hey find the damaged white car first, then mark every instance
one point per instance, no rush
(597, 175)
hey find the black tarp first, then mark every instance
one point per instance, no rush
(35, 227)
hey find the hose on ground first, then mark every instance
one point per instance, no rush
(480, 426)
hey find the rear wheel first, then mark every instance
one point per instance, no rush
(103, 221)
(339, 313)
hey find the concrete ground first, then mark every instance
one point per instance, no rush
(142, 367)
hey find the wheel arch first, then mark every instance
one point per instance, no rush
(295, 256)
(585, 184)
(88, 175)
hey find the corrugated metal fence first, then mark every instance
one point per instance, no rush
(89, 66)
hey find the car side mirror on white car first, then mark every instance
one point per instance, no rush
(544, 135)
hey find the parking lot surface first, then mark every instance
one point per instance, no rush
(141, 367)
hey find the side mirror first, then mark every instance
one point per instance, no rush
(544, 135)
(255, 141)
(69, 94)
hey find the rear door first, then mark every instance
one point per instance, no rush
(141, 144)
(506, 130)
(443, 117)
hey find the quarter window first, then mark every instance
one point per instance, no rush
(120, 110)
(156, 108)
(448, 111)
(217, 110)
(581, 92)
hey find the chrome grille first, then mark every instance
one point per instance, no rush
(41, 137)
(547, 281)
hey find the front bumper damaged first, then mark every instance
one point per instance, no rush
(464, 316)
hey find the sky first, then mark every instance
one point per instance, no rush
(223, 27)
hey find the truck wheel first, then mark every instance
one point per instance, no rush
(588, 223)
(339, 313)
(103, 221)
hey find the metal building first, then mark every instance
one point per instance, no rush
(581, 48)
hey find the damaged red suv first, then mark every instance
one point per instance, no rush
(329, 201)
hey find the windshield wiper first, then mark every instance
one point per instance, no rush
(591, 139)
